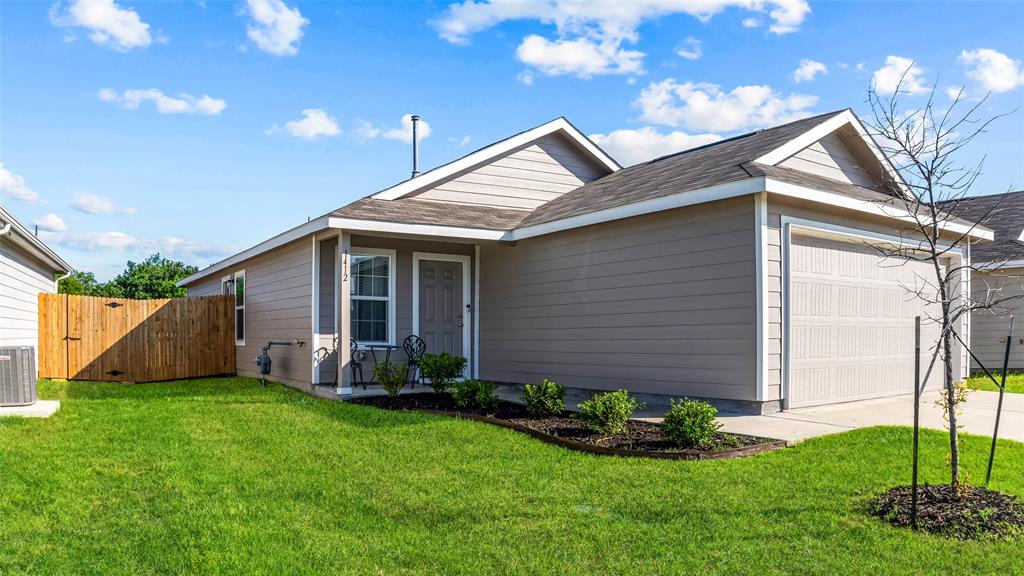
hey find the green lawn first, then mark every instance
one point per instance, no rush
(1014, 382)
(222, 476)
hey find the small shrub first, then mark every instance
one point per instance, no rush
(608, 413)
(442, 370)
(391, 376)
(544, 399)
(690, 423)
(476, 394)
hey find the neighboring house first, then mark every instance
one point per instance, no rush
(741, 271)
(1000, 276)
(27, 267)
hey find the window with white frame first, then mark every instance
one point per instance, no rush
(372, 292)
(238, 283)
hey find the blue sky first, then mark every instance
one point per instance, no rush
(293, 109)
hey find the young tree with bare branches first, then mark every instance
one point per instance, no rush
(925, 146)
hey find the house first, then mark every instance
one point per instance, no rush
(742, 271)
(27, 267)
(999, 275)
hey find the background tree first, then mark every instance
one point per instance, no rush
(154, 277)
(925, 145)
(82, 284)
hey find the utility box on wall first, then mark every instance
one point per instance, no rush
(17, 376)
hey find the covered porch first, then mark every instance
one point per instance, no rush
(372, 291)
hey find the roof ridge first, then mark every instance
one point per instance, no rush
(742, 136)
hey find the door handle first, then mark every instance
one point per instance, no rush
(460, 320)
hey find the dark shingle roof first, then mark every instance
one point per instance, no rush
(1001, 213)
(716, 163)
(410, 211)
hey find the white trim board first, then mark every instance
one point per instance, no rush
(421, 229)
(468, 161)
(761, 271)
(466, 262)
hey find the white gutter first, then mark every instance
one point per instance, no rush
(5, 229)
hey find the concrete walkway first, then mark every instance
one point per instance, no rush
(41, 409)
(977, 417)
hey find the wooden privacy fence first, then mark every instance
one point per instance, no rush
(121, 340)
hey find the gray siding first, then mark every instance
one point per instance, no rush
(22, 278)
(988, 327)
(278, 306)
(522, 179)
(661, 304)
(832, 158)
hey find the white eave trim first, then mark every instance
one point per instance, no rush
(822, 130)
(507, 145)
(844, 201)
(355, 225)
(279, 240)
(32, 243)
(993, 266)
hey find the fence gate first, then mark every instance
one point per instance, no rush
(122, 340)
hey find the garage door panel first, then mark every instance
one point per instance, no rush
(851, 322)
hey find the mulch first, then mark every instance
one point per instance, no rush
(641, 439)
(978, 513)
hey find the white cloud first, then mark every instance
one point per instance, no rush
(115, 241)
(402, 133)
(808, 69)
(460, 142)
(51, 223)
(995, 71)
(581, 57)
(956, 92)
(90, 203)
(634, 146)
(315, 123)
(690, 49)
(183, 104)
(590, 35)
(704, 107)
(108, 24)
(525, 77)
(751, 23)
(887, 78)
(13, 186)
(275, 28)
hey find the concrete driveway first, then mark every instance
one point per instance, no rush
(977, 417)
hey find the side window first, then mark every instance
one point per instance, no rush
(239, 289)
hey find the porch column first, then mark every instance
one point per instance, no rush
(344, 326)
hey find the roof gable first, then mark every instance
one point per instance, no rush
(587, 152)
(521, 179)
(31, 242)
(838, 148)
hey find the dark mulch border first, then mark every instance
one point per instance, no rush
(979, 513)
(512, 416)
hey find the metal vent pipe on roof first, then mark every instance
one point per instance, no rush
(415, 146)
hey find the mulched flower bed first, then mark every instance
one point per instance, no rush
(978, 513)
(642, 439)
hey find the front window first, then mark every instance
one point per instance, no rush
(239, 288)
(372, 292)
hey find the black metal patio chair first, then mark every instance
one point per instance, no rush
(356, 364)
(414, 347)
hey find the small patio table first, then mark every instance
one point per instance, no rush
(387, 351)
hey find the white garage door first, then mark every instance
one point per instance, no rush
(852, 322)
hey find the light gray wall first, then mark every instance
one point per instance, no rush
(989, 326)
(522, 179)
(661, 304)
(832, 158)
(22, 278)
(278, 306)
